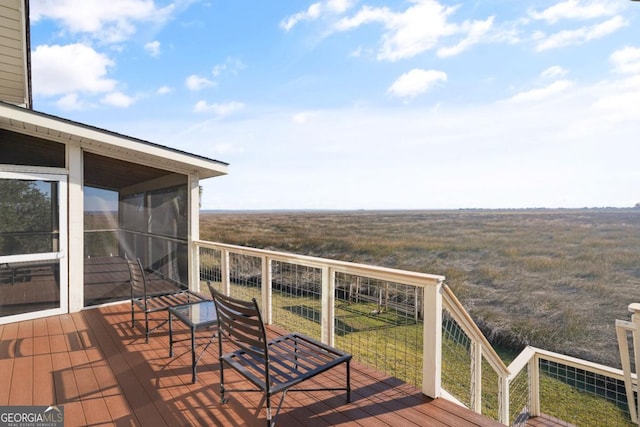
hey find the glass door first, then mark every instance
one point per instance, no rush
(33, 244)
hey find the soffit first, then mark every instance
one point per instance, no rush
(115, 174)
(106, 143)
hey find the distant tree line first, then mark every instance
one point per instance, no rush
(25, 213)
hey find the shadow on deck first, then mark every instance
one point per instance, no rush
(102, 373)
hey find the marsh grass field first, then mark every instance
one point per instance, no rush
(555, 279)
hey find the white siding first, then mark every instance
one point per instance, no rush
(13, 53)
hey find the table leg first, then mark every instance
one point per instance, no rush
(193, 354)
(170, 336)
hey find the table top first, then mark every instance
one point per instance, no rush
(202, 313)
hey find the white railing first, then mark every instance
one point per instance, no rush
(516, 392)
(479, 350)
(419, 321)
(630, 331)
(333, 275)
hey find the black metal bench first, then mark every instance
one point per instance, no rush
(151, 302)
(272, 366)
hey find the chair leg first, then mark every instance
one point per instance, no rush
(222, 398)
(268, 403)
(132, 315)
(271, 415)
(146, 326)
(348, 381)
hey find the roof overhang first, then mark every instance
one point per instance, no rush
(110, 144)
(15, 63)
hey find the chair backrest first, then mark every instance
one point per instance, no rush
(241, 322)
(137, 280)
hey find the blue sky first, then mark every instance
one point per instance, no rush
(346, 104)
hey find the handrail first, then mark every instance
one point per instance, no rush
(155, 235)
(530, 352)
(373, 271)
(137, 233)
(453, 305)
(574, 362)
(520, 362)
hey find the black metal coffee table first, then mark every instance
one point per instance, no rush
(196, 316)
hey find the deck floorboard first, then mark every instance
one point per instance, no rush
(103, 373)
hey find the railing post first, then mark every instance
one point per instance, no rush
(504, 393)
(194, 269)
(635, 319)
(225, 272)
(623, 347)
(416, 304)
(267, 293)
(432, 333)
(327, 301)
(476, 376)
(534, 386)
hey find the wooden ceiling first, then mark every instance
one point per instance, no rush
(113, 174)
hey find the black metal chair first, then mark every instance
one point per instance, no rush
(151, 302)
(272, 366)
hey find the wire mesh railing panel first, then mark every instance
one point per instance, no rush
(245, 276)
(210, 268)
(378, 322)
(519, 398)
(296, 297)
(101, 243)
(456, 360)
(490, 391)
(601, 399)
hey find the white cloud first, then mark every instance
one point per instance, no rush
(163, 90)
(110, 21)
(313, 12)
(612, 109)
(475, 32)
(575, 9)
(316, 11)
(118, 99)
(339, 6)
(365, 15)
(71, 101)
(195, 83)
(153, 48)
(218, 109)
(416, 82)
(555, 152)
(553, 73)
(302, 117)
(543, 93)
(417, 29)
(218, 69)
(626, 60)
(619, 103)
(231, 65)
(581, 35)
(70, 68)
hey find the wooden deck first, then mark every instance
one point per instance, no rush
(103, 373)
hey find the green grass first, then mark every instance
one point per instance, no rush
(577, 407)
(555, 279)
(392, 344)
